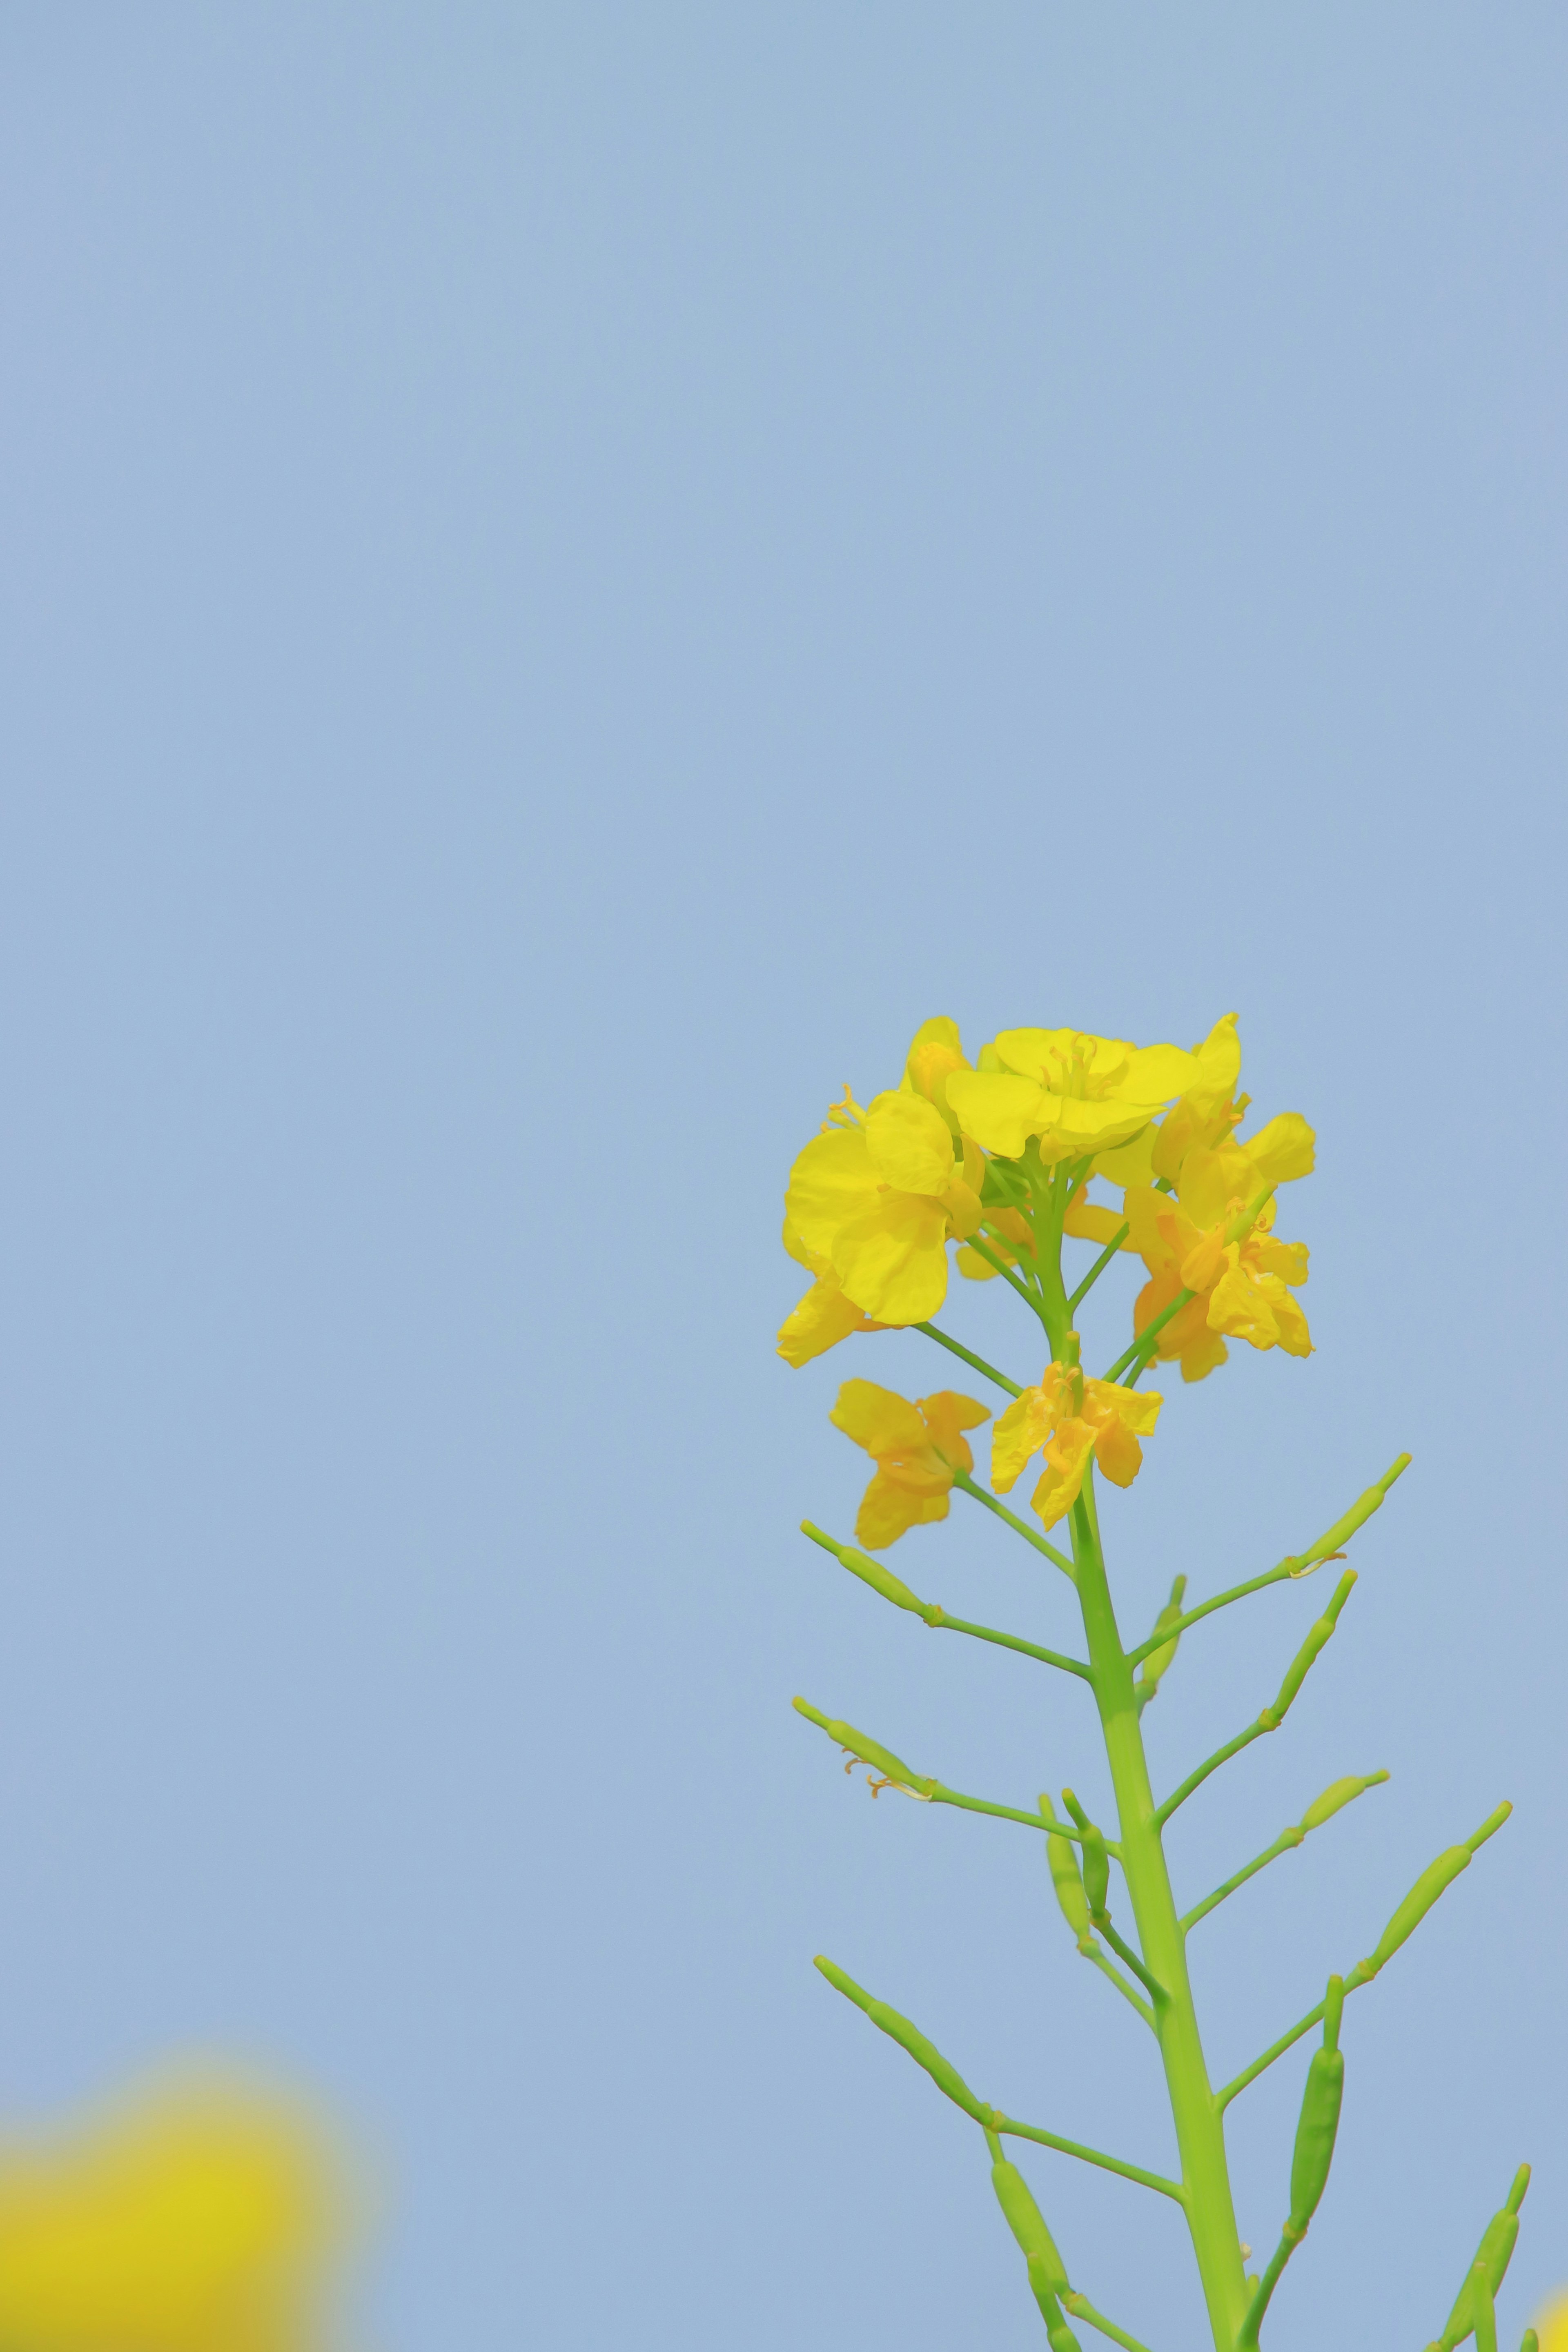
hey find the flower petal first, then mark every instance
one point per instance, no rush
(879, 1418)
(1284, 1149)
(909, 1143)
(887, 1511)
(823, 1318)
(893, 1261)
(832, 1181)
(999, 1110)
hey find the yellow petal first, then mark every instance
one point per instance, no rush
(823, 1318)
(1087, 1222)
(1287, 1259)
(893, 1262)
(1020, 1432)
(1205, 1262)
(974, 1268)
(1150, 1213)
(1034, 1053)
(1241, 1304)
(1137, 1409)
(1284, 1149)
(887, 1511)
(1294, 1336)
(1119, 1454)
(909, 1143)
(999, 1110)
(810, 1259)
(1157, 1073)
(1062, 1477)
(1211, 1180)
(963, 1209)
(879, 1418)
(1129, 1163)
(1219, 1059)
(832, 1181)
(947, 1415)
(1203, 1354)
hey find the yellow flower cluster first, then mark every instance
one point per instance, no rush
(196, 2222)
(877, 1197)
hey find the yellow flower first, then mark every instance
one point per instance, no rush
(1553, 2324)
(1242, 1286)
(1074, 1093)
(916, 1447)
(873, 1199)
(1067, 1418)
(195, 2222)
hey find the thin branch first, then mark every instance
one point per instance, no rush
(1098, 1268)
(941, 1623)
(961, 1479)
(976, 1363)
(999, 1266)
(1108, 1968)
(1285, 1842)
(1211, 1764)
(1009, 2128)
(1081, 2308)
(1124, 1951)
(1293, 1567)
(936, 1793)
(1143, 1347)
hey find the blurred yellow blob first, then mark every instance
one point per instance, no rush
(198, 2220)
(1553, 2324)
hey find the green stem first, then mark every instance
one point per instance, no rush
(937, 1793)
(999, 1266)
(1014, 2130)
(1211, 1764)
(976, 1363)
(1143, 1347)
(961, 1479)
(1285, 1842)
(943, 1623)
(1097, 1269)
(1108, 1968)
(1286, 2041)
(1081, 2308)
(1248, 2339)
(1200, 2137)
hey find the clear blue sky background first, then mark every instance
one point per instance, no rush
(570, 572)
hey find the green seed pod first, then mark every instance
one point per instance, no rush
(1066, 1877)
(1532, 2341)
(1492, 2255)
(1337, 1794)
(1317, 1636)
(1096, 1874)
(869, 1571)
(1315, 2134)
(1437, 1875)
(882, 1759)
(946, 2078)
(1159, 1661)
(1027, 2222)
(1058, 2335)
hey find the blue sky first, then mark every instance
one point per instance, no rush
(572, 574)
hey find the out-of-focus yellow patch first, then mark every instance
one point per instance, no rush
(201, 2218)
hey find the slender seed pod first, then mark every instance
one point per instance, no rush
(1027, 2222)
(872, 1572)
(1066, 1877)
(1320, 2119)
(1317, 1636)
(1532, 2341)
(1493, 2257)
(1433, 1879)
(1096, 1874)
(882, 1759)
(909, 2037)
(1337, 1794)
(1159, 1661)
(1058, 2335)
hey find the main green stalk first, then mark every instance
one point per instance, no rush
(1200, 2128)
(1200, 2131)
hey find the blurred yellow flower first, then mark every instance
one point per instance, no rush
(1553, 2324)
(916, 1447)
(200, 2220)
(1067, 1418)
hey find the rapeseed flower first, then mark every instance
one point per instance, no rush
(1069, 1417)
(1073, 1094)
(196, 2222)
(916, 1447)
(874, 1198)
(1553, 2324)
